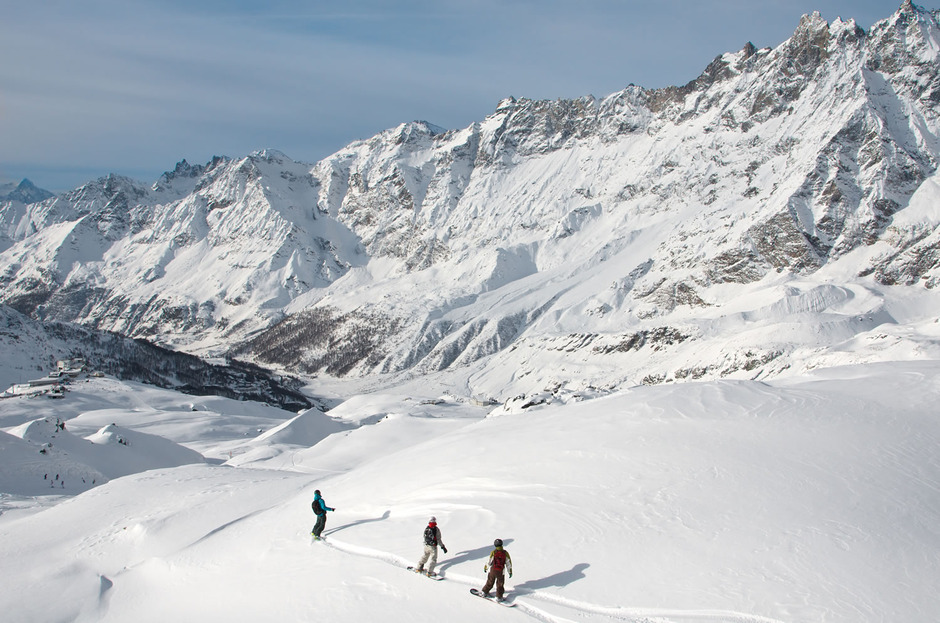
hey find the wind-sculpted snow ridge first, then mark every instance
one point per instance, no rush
(641, 237)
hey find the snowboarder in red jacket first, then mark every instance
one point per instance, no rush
(498, 562)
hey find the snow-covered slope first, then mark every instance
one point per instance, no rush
(105, 429)
(217, 248)
(742, 225)
(806, 501)
(768, 217)
(60, 462)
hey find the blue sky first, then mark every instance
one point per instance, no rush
(89, 87)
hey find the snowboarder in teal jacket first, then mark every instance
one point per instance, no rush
(320, 508)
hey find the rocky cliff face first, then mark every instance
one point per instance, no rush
(624, 232)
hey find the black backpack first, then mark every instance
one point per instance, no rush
(317, 508)
(430, 536)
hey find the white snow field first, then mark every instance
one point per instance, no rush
(808, 499)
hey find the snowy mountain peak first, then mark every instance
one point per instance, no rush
(632, 231)
(106, 188)
(269, 155)
(909, 9)
(183, 179)
(810, 25)
(908, 15)
(430, 128)
(24, 192)
(182, 170)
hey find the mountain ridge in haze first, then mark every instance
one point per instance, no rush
(24, 192)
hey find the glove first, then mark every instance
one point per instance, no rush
(444, 548)
(485, 568)
(510, 574)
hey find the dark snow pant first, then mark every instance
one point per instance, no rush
(321, 523)
(495, 576)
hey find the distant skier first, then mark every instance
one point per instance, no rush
(320, 508)
(432, 538)
(499, 560)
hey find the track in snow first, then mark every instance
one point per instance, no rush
(634, 615)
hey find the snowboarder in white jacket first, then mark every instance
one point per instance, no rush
(432, 538)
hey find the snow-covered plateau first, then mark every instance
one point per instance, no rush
(678, 348)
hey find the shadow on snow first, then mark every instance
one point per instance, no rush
(562, 578)
(469, 555)
(384, 516)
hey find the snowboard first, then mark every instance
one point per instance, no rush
(437, 577)
(504, 602)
